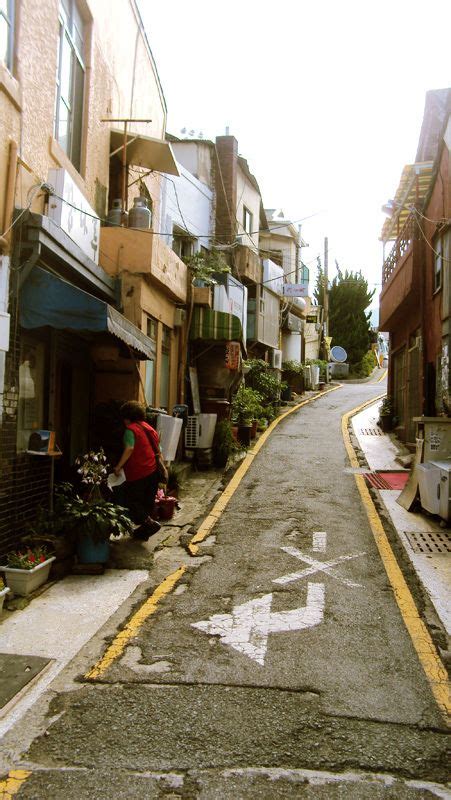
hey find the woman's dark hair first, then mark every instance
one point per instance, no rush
(133, 411)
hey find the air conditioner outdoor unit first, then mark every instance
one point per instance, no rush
(276, 359)
(200, 431)
(179, 317)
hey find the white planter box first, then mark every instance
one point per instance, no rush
(3, 594)
(25, 581)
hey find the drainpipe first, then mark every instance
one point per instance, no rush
(5, 240)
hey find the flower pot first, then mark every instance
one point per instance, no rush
(286, 394)
(3, 594)
(235, 432)
(25, 581)
(166, 507)
(386, 423)
(254, 428)
(244, 435)
(91, 552)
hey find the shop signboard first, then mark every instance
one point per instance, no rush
(232, 357)
(71, 212)
(296, 289)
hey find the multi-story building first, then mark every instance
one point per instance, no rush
(415, 299)
(281, 248)
(87, 312)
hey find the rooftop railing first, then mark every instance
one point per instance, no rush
(400, 248)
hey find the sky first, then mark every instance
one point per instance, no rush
(325, 99)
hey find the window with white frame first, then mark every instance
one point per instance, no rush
(247, 220)
(7, 33)
(70, 79)
(438, 264)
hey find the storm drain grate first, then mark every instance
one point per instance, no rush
(371, 431)
(429, 542)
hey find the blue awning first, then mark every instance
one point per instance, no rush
(45, 299)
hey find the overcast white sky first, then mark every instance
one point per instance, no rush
(325, 98)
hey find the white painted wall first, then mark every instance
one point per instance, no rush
(247, 196)
(188, 203)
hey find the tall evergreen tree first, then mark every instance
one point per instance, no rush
(349, 323)
(318, 292)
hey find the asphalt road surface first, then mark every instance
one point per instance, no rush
(279, 668)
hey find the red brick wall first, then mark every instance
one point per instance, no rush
(24, 480)
(226, 189)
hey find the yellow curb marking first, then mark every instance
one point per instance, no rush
(204, 530)
(132, 627)
(12, 783)
(427, 654)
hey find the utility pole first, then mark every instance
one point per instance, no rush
(326, 286)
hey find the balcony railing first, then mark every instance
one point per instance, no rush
(402, 245)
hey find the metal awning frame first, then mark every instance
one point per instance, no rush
(412, 189)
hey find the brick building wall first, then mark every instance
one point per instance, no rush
(226, 189)
(24, 483)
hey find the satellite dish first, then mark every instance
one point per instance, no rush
(338, 354)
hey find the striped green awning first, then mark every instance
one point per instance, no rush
(215, 325)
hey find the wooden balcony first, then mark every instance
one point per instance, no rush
(139, 251)
(247, 265)
(400, 278)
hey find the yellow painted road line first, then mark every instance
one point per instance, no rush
(205, 528)
(12, 783)
(132, 627)
(428, 656)
(384, 375)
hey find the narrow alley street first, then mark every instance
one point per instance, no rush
(279, 667)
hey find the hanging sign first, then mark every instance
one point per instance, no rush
(232, 356)
(296, 289)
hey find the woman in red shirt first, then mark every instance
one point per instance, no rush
(140, 460)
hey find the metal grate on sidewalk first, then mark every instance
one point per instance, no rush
(371, 432)
(429, 542)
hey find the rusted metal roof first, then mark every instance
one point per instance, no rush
(412, 189)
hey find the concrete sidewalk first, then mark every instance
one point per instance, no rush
(40, 635)
(426, 543)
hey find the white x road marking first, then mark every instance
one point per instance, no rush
(316, 566)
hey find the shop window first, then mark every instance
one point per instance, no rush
(70, 78)
(152, 328)
(31, 391)
(247, 220)
(438, 264)
(7, 33)
(165, 366)
(149, 382)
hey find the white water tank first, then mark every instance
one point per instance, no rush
(169, 429)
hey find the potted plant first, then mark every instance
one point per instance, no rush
(49, 530)
(293, 375)
(173, 485)
(3, 592)
(224, 443)
(386, 415)
(92, 518)
(165, 504)
(26, 569)
(246, 406)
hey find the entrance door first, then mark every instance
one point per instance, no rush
(413, 392)
(399, 385)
